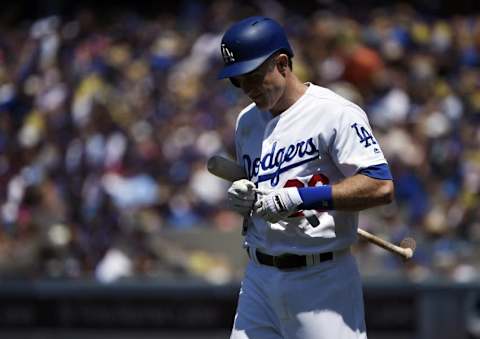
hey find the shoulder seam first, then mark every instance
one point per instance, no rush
(342, 101)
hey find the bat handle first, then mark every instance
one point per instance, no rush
(246, 220)
(311, 218)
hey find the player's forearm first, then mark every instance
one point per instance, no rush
(354, 193)
(361, 192)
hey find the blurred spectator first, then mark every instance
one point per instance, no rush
(106, 125)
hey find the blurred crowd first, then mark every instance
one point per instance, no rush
(106, 125)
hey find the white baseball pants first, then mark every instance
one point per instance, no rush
(323, 301)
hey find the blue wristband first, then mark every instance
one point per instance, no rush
(319, 197)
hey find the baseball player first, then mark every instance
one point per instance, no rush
(306, 152)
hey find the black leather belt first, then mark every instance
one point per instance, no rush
(290, 261)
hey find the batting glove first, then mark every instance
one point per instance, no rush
(241, 196)
(278, 204)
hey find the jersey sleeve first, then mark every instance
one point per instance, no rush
(353, 145)
(239, 125)
(238, 146)
(238, 151)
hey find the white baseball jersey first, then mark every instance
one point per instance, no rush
(321, 139)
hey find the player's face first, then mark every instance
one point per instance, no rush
(264, 85)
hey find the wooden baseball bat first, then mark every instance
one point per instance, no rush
(229, 170)
(405, 252)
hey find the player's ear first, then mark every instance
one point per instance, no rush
(282, 63)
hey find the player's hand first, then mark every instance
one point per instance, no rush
(241, 196)
(276, 205)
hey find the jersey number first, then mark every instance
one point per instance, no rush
(316, 180)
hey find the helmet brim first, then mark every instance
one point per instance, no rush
(242, 67)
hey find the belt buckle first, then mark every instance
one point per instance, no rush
(275, 261)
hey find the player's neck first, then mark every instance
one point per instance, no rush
(294, 89)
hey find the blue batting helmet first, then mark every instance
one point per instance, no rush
(249, 42)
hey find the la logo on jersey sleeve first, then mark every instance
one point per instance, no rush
(365, 137)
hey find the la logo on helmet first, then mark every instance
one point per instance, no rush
(228, 57)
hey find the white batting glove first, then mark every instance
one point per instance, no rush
(241, 196)
(278, 204)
